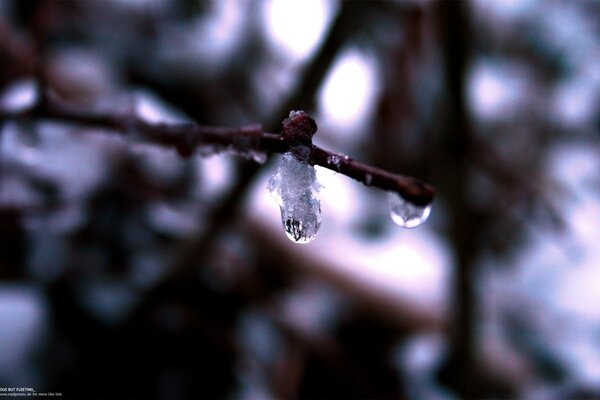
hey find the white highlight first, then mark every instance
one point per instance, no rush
(18, 96)
(23, 317)
(348, 91)
(495, 89)
(297, 26)
(153, 109)
(575, 101)
(338, 196)
(506, 9)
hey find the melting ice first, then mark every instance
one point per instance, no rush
(296, 190)
(405, 213)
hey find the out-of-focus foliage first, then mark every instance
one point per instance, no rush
(127, 271)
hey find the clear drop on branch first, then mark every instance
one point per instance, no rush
(405, 213)
(296, 190)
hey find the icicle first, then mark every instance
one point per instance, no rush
(295, 188)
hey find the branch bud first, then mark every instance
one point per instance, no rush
(298, 128)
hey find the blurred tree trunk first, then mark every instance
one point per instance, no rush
(464, 226)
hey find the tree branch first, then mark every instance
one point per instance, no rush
(188, 138)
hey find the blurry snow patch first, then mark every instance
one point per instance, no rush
(110, 302)
(219, 33)
(147, 266)
(62, 219)
(575, 166)
(79, 72)
(253, 389)
(144, 104)
(258, 338)
(260, 347)
(578, 167)
(17, 145)
(230, 262)
(18, 96)
(297, 26)
(553, 287)
(209, 41)
(141, 5)
(567, 27)
(16, 192)
(72, 159)
(66, 218)
(587, 68)
(505, 10)
(214, 175)
(23, 319)
(151, 108)
(576, 101)
(178, 220)
(158, 163)
(312, 309)
(47, 255)
(68, 157)
(495, 90)
(346, 97)
(339, 195)
(412, 264)
(271, 82)
(418, 358)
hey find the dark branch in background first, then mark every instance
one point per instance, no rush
(458, 370)
(187, 138)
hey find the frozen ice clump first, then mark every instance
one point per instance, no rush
(296, 190)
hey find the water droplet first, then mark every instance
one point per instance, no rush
(337, 159)
(405, 213)
(368, 179)
(296, 190)
(334, 159)
(258, 156)
(207, 150)
(239, 149)
(296, 232)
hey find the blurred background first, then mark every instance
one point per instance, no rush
(127, 271)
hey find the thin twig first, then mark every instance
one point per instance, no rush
(188, 138)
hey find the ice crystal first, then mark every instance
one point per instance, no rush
(295, 188)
